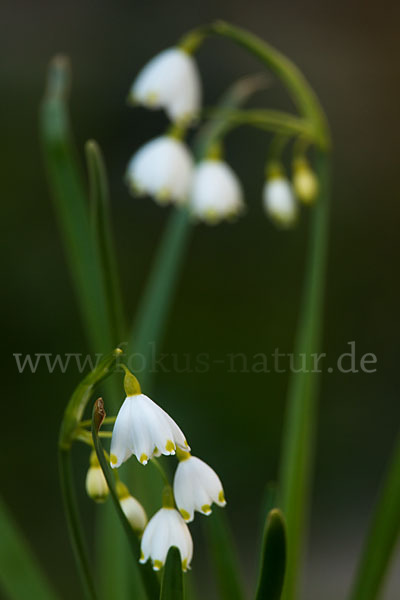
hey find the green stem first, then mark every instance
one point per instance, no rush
(269, 120)
(299, 430)
(74, 524)
(300, 91)
(382, 536)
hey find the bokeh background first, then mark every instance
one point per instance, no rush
(240, 285)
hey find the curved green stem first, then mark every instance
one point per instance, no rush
(299, 429)
(268, 120)
(74, 523)
(300, 91)
(383, 534)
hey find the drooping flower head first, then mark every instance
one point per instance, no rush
(165, 529)
(171, 81)
(216, 192)
(162, 168)
(278, 198)
(196, 486)
(143, 428)
(132, 508)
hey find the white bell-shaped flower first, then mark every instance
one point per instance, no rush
(171, 81)
(165, 529)
(216, 192)
(196, 487)
(279, 201)
(162, 168)
(144, 429)
(96, 484)
(305, 183)
(132, 508)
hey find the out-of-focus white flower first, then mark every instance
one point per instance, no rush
(165, 529)
(216, 192)
(171, 81)
(162, 168)
(96, 484)
(305, 183)
(144, 429)
(196, 486)
(132, 508)
(279, 201)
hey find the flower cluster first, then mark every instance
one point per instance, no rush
(144, 429)
(164, 167)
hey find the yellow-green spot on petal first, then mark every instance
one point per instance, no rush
(152, 98)
(141, 556)
(184, 514)
(184, 565)
(221, 496)
(170, 446)
(206, 508)
(157, 565)
(144, 458)
(113, 459)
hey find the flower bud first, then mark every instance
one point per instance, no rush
(132, 508)
(305, 183)
(96, 484)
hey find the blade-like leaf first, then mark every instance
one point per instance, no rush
(172, 582)
(224, 557)
(149, 579)
(101, 224)
(21, 577)
(273, 560)
(71, 204)
(383, 534)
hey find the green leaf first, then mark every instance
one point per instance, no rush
(149, 578)
(21, 577)
(101, 224)
(382, 536)
(224, 557)
(273, 559)
(300, 424)
(71, 204)
(172, 582)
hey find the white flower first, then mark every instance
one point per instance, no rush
(132, 508)
(196, 487)
(171, 81)
(165, 529)
(144, 429)
(279, 201)
(96, 484)
(162, 168)
(216, 192)
(305, 183)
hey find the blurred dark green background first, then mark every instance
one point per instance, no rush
(240, 287)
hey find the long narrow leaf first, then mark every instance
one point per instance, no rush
(273, 559)
(148, 576)
(225, 562)
(71, 204)
(100, 215)
(172, 582)
(383, 534)
(21, 577)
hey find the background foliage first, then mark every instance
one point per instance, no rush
(248, 275)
